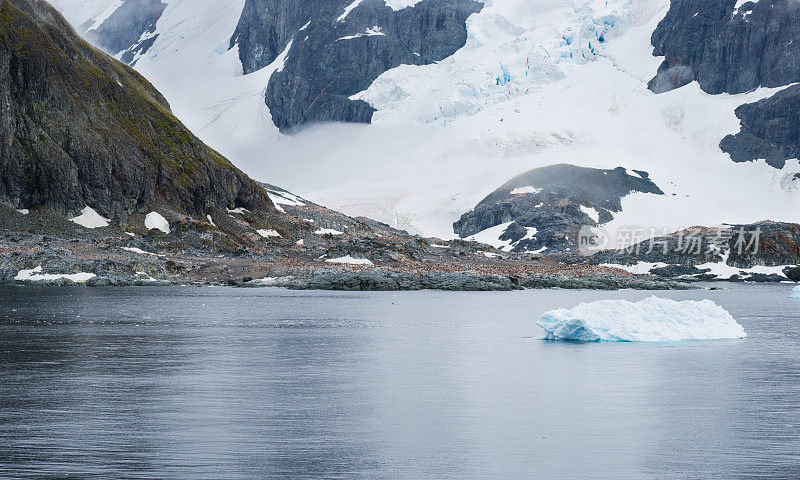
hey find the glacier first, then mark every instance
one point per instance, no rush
(795, 293)
(653, 319)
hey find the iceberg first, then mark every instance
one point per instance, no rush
(795, 293)
(650, 320)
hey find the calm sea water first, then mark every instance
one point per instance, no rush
(233, 383)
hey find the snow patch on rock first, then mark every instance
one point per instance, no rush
(327, 231)
(525, 190)
(268, 233)
(347, 259)
(89, 218)
(155, 221)
(36, 275)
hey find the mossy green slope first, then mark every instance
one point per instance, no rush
(80, 128)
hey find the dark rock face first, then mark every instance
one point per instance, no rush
(770, 130)
(267, 26)
(334, 56)
(130, 29)
(550, 200)
(79, 128)
(728, 50)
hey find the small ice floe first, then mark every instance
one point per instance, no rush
(327, 231)
(650, 320)
(347, 259)
(90, 219)
(154, 221)
(795, 293)
(268, 233)
(23, 211)
(36, 275)
(140, 251)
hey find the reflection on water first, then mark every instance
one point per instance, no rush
(232, 383)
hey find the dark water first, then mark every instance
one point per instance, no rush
(231, 383)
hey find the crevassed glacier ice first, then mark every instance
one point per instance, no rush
(650, 320)
(795, 293)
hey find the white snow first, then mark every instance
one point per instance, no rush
(370, 32)
(525, 190)
(347, 259)
(305, 26)
(36, 275)
(238, 210)
(98, 20)
(348, 9)
(284, 198)
(795, 293)
(140, 251)
(723, 271)
(491, 235)
(89, 218)
(211, 220)
(436, 245)
(650, 320)
(641, 268)
(591, 212)
(300, 242)
(268, 233)
(401, 4)
(154, 221)
(23, 211)
(327, 231)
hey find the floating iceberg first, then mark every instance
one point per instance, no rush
(795, 293)
(650, 320)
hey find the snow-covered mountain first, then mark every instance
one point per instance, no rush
(536, 83)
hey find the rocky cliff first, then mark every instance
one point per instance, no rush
(337, 49)
(728, 47)
(81, 129)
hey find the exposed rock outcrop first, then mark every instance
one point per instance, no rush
(554, 202)
(337, 49)
(763, 251)
(770, 129)
(728, 49)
